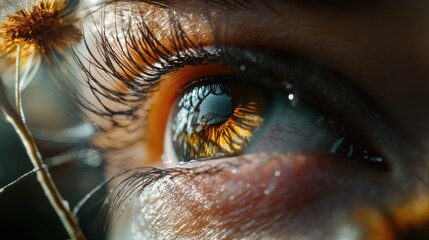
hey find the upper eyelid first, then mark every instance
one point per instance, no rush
(138, 48)
(137, 71)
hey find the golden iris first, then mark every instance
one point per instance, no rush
(217, 119)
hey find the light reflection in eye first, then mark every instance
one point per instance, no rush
(217, 120)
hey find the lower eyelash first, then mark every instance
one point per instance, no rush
(135, 181)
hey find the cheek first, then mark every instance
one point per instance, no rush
(264, 195)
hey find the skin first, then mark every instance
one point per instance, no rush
(382, 49)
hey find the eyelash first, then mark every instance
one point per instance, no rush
(137, 73)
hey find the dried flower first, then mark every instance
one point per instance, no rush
(44, 27)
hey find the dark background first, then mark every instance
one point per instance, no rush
(25, 212)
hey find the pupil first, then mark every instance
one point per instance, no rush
(215, 109)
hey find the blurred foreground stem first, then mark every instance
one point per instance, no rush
(43, 176)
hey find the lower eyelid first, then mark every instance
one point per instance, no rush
(260, 180)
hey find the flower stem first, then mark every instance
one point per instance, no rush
(18, 99)
(43, 176)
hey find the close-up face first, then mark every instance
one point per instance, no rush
(248, 119)
(280, 119)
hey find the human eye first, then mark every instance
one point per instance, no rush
(262, 110)
(243, 125)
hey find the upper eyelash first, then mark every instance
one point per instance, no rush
(127, 69)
